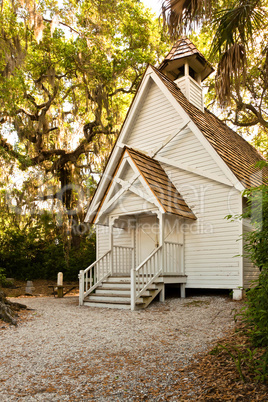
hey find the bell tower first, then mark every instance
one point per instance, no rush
(187, 67)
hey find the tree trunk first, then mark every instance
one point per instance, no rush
(8, 309)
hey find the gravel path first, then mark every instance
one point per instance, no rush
(70, 353)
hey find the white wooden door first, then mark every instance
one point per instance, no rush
(147, 236)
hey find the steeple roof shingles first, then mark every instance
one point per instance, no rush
(237, 153)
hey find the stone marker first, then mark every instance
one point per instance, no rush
(60, 284)
(29, 288)
(60, 279)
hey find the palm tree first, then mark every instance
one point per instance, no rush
(235, 23)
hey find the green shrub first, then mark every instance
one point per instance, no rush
(2, 276)
(40, 249)
(255, 313)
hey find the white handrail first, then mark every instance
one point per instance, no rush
(93, 279)
(145, 274)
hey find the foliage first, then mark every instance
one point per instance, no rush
(255, 313)
(2, 275)
(256, 246)
(36, 248)
(68, 71)
(256, 241)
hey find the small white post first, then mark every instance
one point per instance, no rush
(162, 239)
(81, 287)
(182, 286)
(237, 294)
(111, 241)
(133, 289)
(60, 279)
(162, 294)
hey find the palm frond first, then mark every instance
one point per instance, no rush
(237, 23)
(180, 15)
(231, 72)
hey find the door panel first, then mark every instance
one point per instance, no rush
(147, 236)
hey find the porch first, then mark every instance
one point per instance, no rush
(146, 251)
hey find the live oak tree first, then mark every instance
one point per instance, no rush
(67, 74)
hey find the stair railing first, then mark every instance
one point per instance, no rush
(174, 257)
(145, 274)
(123, 258)
(93, 276)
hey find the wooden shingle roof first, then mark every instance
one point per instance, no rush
(181, 49)
(237, 153)
(184, 49)
(160, 184)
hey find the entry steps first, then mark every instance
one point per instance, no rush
(114, 292)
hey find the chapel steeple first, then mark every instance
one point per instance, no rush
(187, 67)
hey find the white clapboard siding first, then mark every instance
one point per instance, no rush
(250, 272)
(192, 90)
(195, 95)
(102, 240)
(129, 203)
(187, 149)
(155, 121)
(210, 242)
(172, 229)
(174, 252)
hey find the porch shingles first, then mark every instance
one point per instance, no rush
(160, 184)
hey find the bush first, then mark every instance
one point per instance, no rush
(255, 314)
(39, 250)
(2, 276)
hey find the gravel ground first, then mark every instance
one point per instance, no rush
(68, 353)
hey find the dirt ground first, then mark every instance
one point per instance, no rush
(214, 375)
(40, 288)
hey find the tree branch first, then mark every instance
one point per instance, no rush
(63, 23)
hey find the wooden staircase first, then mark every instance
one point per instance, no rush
(115, 292)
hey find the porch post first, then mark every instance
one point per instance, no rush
(111, 244)
(162, 238)
(133, 223)
(161, 218)
(81, 287)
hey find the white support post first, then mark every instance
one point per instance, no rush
(182, 268)
(133, 223)
(111, 244)
(162, 239)
(182, 286)
(162, 294)
(133, 289)
(81, 287)
(186, 69)
(237, 294)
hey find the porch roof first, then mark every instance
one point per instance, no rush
(160, 184)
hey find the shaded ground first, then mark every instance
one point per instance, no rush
(111, 372)
(40, 288)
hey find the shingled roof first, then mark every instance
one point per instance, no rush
(182, 49)
(236, 152)
(160, 184)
